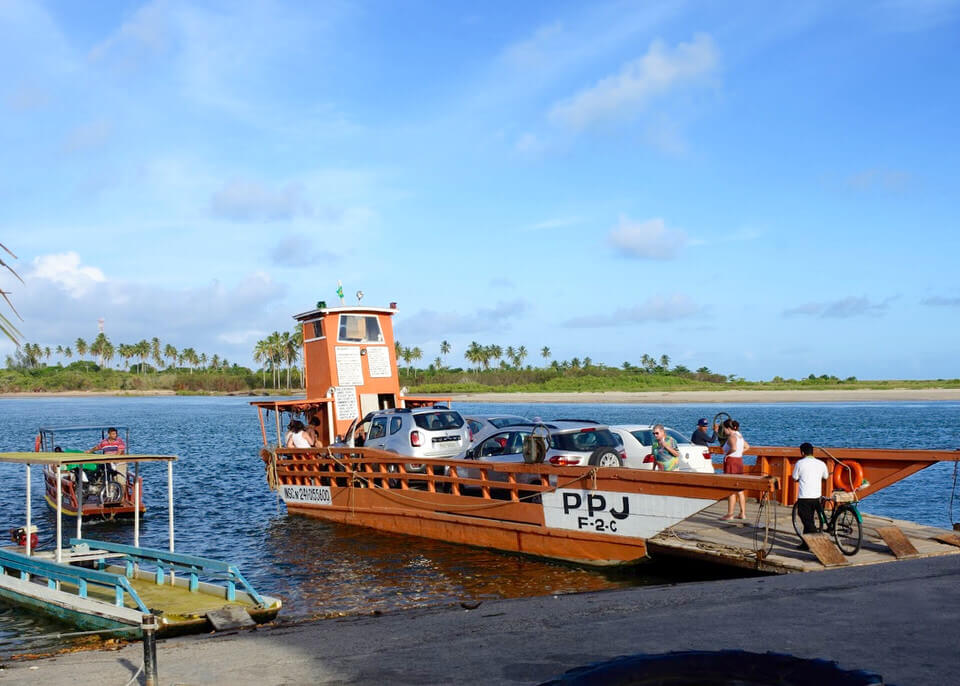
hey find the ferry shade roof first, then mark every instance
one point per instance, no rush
(80, 458)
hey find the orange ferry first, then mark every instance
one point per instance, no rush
(587, 515)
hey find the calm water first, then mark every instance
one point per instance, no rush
(223, 507)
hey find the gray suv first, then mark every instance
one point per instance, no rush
(436, 432)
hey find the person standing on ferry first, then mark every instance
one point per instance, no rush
(700, 435)
(733, 464)
(666, 454)
(809, 473)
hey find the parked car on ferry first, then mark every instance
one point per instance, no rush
(570, 443)
(482, 427)
(437, 432)
(638, 440)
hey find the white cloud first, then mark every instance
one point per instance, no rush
(427, 324)
(65, 270)
(63, 299)
(555, 223)
(651, 239)
(878, 178)
(252, 201)
(638, 82)
(658, 308)
(844, 308)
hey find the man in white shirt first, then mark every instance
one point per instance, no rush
(809, 473)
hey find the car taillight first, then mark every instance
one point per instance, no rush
(415, 438)
(648, 459)
(562, 460)
(706, 455)
(623, 454)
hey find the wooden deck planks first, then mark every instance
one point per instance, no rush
(706, 537)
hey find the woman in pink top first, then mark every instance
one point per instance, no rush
(733, 464)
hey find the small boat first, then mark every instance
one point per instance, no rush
(108, 586)
(96, 490)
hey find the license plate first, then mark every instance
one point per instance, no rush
(445, 439)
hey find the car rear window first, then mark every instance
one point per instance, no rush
(438, 421)
(584, 440)
(677, 436)
(501, 422)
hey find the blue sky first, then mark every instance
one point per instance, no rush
(761, 188)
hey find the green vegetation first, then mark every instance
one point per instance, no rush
(151, 366)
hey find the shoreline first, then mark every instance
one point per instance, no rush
(731, 396)
(742, 396)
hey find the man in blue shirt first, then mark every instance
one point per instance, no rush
(701, 437)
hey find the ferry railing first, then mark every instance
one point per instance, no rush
(168, 563)
(81, 577)
(504, 482)
(881, 467)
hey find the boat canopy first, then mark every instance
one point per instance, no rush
(79, 458)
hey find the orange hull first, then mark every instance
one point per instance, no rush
(585, 515)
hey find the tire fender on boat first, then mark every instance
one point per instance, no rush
(534, 449)
(844, 472)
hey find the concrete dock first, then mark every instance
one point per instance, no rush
(704, 537)
(899, 620)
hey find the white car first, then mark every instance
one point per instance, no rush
(638, 438)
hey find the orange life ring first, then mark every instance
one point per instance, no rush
(841, 476)
(37, 443)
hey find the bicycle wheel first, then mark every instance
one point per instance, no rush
(847, 531)
(798, 523)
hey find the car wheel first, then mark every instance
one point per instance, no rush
(605, 457)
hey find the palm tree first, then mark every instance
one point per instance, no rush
(444, 348)
(107, 352)
(511, 355)
(215, 362)
(473, 354)
(59, 350)
(155, 352)
(203, 360)
(126, 352)
(170, 353)
(296, 340)
(521, 355)
(81, 346)
(99, 348)
(261, 355)
(188, 355)
(545, 353)
(143, 352)
(665, 361)
(67, 353)
(415, 354)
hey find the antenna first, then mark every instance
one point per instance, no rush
(359, 296)
(100, 325)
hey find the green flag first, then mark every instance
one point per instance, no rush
(339, 290)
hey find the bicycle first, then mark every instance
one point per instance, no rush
(844, 521)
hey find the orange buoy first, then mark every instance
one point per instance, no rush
(843, 473)
(37, 444)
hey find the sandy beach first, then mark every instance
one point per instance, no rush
(646, 397)
(719, 397)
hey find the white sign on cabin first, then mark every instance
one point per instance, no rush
(378, 360)
(309, 495)
(345, 402)
(349, 371)
(622, 514)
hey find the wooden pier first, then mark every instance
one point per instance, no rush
(706, 537)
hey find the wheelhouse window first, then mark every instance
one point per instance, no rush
(359, 328)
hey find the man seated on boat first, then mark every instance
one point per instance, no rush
(111, 445)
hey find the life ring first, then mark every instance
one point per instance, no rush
(842, 474)
(37, 443)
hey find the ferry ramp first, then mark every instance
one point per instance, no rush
(706, 537)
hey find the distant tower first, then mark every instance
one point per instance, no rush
(100, 325)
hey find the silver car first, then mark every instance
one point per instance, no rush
(483, 427)
(436, 432)
(569, 443)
